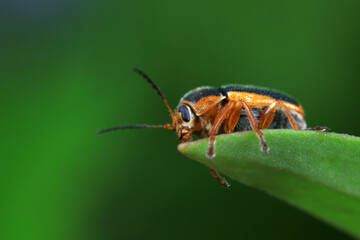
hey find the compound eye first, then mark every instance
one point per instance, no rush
(185, 113)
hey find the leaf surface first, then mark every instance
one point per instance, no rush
(317, 172)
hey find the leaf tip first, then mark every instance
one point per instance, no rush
(182, 147)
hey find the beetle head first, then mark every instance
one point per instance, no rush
(184, 122)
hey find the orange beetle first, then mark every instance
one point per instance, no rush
(207, 111)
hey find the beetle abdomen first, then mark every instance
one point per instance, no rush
(280, 120)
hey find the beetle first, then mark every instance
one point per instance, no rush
(208, 111)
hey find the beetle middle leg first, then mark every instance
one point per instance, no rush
(254, 125)
(267, 116)
(233, 119)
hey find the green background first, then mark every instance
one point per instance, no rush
(66, 73)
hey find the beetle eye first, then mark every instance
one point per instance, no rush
(185, 114)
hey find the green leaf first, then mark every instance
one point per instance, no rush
(317, 172)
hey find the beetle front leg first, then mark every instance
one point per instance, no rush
(220, 117)
(219, 178)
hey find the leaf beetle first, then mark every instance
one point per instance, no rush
(208, 111)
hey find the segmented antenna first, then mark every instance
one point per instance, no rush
(166, 126)
(157, 90)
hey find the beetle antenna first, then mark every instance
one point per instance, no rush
(166, 126)
(157, 90)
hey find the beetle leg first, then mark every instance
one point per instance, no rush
(217, 176)
(254, 125)
(233, 118)
(320, 129)
(220, 117)
(267, 116)
(292, 120)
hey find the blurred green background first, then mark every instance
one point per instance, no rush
(66, 72)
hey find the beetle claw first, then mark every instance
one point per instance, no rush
(211, 152)
(219, 178)
(265, 148)
(320, 129)
(210, 155)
